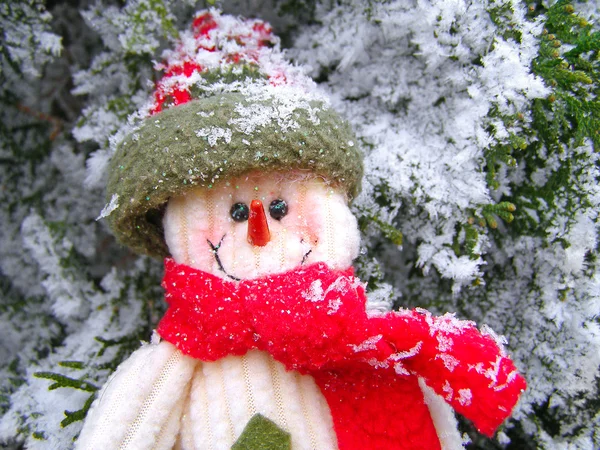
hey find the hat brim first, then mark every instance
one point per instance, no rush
(200, 143)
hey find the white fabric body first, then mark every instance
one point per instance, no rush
(140, 405)
(227, 393)
(160, 399)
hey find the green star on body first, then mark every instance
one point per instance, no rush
(263, 434)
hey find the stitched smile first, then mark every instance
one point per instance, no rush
(215, 250)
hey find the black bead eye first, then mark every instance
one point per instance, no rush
(278, 209)
(239, 212)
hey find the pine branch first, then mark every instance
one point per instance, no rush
(62, 381)
(80, 414)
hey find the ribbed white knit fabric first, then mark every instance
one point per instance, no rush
(140, 406)
(160, 396)
(227, 393)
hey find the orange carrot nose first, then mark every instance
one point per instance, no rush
(258, 229)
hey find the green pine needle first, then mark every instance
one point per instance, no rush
(62, 381)
(78, 365)
(79, 415)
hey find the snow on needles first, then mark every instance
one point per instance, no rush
(422, 106)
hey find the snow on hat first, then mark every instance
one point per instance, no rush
(228, 103)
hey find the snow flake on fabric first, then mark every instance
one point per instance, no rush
(444, 343)
(465, 396)
(400, 369)
(448, 323)
(399, 356)
(367, 344)
(315, 292)
(213, 134)
(334, 305)
(408, 353)
(450, 362)
(448, 391)
(109, 207)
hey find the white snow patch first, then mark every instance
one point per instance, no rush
(503, 438)
(266, 104)
(447, 389)
(96, 168)
(367, 344)
(583, 239)
(450, 362)
(315, 292)
(213, 134)
(205, 114)
(380, 300)
(499, 339)
(109, 207)
(465, 396)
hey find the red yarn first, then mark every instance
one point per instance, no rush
(313, 320)
(210, 34)
(265, 33)
(203, 24)
(377, 410)
(187, 69)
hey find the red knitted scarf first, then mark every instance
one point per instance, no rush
(313, 320)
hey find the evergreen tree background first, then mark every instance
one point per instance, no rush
(480, 124)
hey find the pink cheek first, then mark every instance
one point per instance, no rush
(312, 227)
(213, 234)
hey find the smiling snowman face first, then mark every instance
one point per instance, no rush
(260, 224)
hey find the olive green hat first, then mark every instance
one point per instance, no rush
(202, 129)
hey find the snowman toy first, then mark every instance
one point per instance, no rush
(239, 174)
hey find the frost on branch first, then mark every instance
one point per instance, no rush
(119, 77)
(419, 89)
(477, 119)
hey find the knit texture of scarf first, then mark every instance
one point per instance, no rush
(313, 320)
